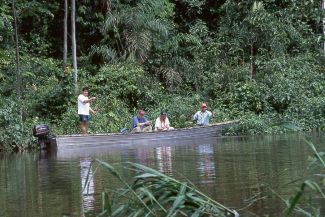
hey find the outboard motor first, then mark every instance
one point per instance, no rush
(42, 132)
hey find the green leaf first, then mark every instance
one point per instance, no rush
(110, 168)
(180, 199)
(106, 205)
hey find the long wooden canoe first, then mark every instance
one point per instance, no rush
(74, 141)
(70, 146)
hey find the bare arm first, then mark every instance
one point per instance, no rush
(194, 118)
(92, 111)
(145, 123)
(89, 100)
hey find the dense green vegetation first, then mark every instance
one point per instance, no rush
(260, 61)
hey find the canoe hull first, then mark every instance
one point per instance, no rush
(70, 146)
(80, 141)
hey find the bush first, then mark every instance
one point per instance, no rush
(129, 83)
(13, 135)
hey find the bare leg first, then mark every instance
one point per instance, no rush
(147, 129)
(136, 130)
(83, 126)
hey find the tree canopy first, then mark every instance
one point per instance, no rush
(260, 61)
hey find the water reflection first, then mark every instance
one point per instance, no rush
(206, 163)
(142, 155)
(233, 171)
(87, 183)
(164, 159)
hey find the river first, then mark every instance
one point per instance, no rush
(243, 173)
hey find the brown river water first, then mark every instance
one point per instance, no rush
(239, 172)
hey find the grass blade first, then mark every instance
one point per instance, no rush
(296, 199)
(319, 157)
(179, 200)
(106, 205)
(111, 169)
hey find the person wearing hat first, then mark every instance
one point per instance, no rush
(162, 122)
(202, 117)
(140, 123)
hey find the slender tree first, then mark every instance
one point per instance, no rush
(65, 34)
(253, 66)
(323, 7)
(18, 74)
(74, 49)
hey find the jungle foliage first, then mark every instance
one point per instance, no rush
(258, 61)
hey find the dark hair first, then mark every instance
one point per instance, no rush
(85, 88)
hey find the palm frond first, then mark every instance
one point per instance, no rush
(134, 27)
(139, 44)
(157, 26)
(112, 21)
(108, 54)
(171, 76)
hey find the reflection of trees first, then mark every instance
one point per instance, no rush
(143, 155)
(57, 188)
(247, 167)
(38, 186)
(164, 159)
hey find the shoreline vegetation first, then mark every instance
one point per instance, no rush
(258, 61)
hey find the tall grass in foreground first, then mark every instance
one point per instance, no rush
(315, 184)
(155, 194)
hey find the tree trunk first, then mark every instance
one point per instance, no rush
(65, 35)
(323, 7)
(74, 49)
(253, 66)
(18, 75)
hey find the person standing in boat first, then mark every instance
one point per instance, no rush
(140, 123)
(202, 117)
(84, 108)
(162, 123)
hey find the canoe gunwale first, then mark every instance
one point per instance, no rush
(95, 140)
(216, 125)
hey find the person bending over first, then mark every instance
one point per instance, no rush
(162, 123)
(140, 123)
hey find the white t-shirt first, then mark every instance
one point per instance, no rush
(161, 125)
(83, 108)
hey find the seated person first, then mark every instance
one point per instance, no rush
(140, 123)
(162, 123)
